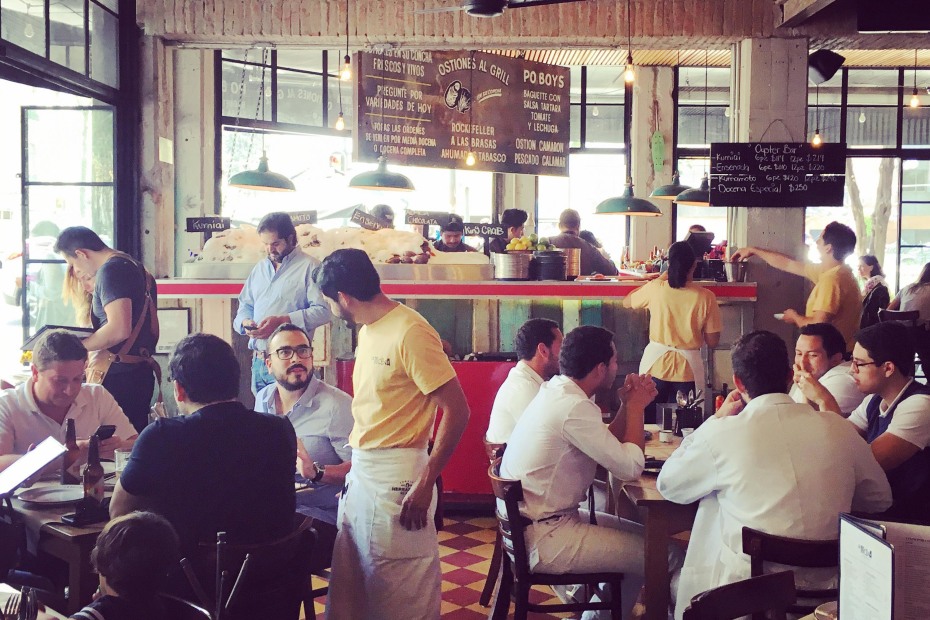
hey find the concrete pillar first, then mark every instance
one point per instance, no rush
(653, 110)
(770, 97)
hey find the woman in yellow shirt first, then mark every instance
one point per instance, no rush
(682, 318)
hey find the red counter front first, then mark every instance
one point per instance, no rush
(466, 474)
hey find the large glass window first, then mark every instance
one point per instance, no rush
(915, 219)
(872, 108)
(824, 109)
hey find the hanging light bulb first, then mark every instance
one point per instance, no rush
(470, 159)
(340, 122)
(629, 76)
(816, 140)
(861, 117)
(346, 73)
(29, 31)
(595, 112)
(915, 100)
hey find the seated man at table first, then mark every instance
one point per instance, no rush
(55, 393)
(768, 463)
(219, 467)
(554, 451)
(322, 418)
(895, 416)
(819, 354)
(538, 342)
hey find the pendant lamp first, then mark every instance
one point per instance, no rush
(261, 178)
(381, 178)
(699, 197)
(915, 97)
(670, 190)
(628, 204)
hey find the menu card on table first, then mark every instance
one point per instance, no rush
(884, 570)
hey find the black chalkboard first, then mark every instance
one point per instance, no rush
(207, 224)
(426, 218)
(368, 221)
(484, 230)
(777, 174)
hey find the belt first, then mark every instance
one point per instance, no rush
(549, 518)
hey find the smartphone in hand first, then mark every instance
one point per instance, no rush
(105, 431)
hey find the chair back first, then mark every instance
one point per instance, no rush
(179, 609)
(494, 450)
(762, 547)
(510, 523)
(906, 316)
(772, 594)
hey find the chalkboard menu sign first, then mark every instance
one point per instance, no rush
(484, 230)
(430, 108)
(368, 221)
(303, 217)
(426, 218)
(777, 174)
(207, 224)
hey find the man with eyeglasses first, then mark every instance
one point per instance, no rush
(895, 420)
(279, 290)
(322, 418)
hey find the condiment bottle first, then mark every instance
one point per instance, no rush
(70, 460)
(93, 472)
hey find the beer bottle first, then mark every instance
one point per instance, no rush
(93, 472)
(70, 460)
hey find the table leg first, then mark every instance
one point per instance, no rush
(656, 565)
(81, 578)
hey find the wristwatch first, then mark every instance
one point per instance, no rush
(320, 470)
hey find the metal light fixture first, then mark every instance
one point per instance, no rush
(915, 98)
(699, 197)
(628, 204)
(629, 75)
(346, 74)
(670, 190)
(260, 179)
(381, 178)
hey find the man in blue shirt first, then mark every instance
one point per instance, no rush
(279, 290)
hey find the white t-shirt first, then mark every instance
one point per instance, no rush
(515, 393)
(911, 421)
(840, 384)
(23, 424)
(916, 297)
(556, 446)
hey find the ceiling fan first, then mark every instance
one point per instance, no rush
(492, 8)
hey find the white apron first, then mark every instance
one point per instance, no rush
(381, 570)
(654, 351)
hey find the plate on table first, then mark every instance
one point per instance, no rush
(53, 495)
(109, 468)
(779, 316)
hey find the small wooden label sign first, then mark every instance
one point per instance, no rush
(427, 218)
(303, 217)
(368, 221)
(484, 230)
(209, 224)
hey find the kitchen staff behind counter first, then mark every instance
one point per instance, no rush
(450, 237)
(682, 317)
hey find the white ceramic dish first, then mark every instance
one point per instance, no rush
(53, 495)
(779, 316)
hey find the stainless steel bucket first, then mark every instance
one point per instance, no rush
(511, 265)
(572, 262)
(736, 272)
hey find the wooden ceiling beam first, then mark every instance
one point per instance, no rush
(796, 12)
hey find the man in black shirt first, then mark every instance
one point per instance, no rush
(592, 261)
(450, 237)
(124, 295)
(219, 467)
(513, 221)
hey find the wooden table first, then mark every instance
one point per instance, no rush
(46, 534)
(662, 520)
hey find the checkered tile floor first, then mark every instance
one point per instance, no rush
(465, 547)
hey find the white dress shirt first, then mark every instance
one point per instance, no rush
(515, 393)
(23, 424)
(839, 382)
(779, 467)
(911, 421)
(556, 446)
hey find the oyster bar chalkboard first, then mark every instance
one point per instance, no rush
(777, 174)
(430, 108)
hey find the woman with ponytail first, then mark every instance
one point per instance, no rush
(682, 318)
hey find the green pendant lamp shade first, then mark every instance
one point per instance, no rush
(699, 197)
(628, 204)
(262, 179)
(671, 190)
(381, 178)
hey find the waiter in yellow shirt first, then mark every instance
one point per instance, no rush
(682, 317)
(835, 298)
(386, 554)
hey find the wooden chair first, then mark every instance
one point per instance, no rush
(905, 316)
(516, 576)
(796, 552)
(771, 594)
(179, 609)
(921, 337)
(272, 586)
(493, 451)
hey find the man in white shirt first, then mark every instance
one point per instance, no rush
(819, 353)
(537, 342)
(895, 419)
(554, 451)
(768, 463)
(55, 393)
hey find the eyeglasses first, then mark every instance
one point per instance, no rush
(286, 353)
(857, 365)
